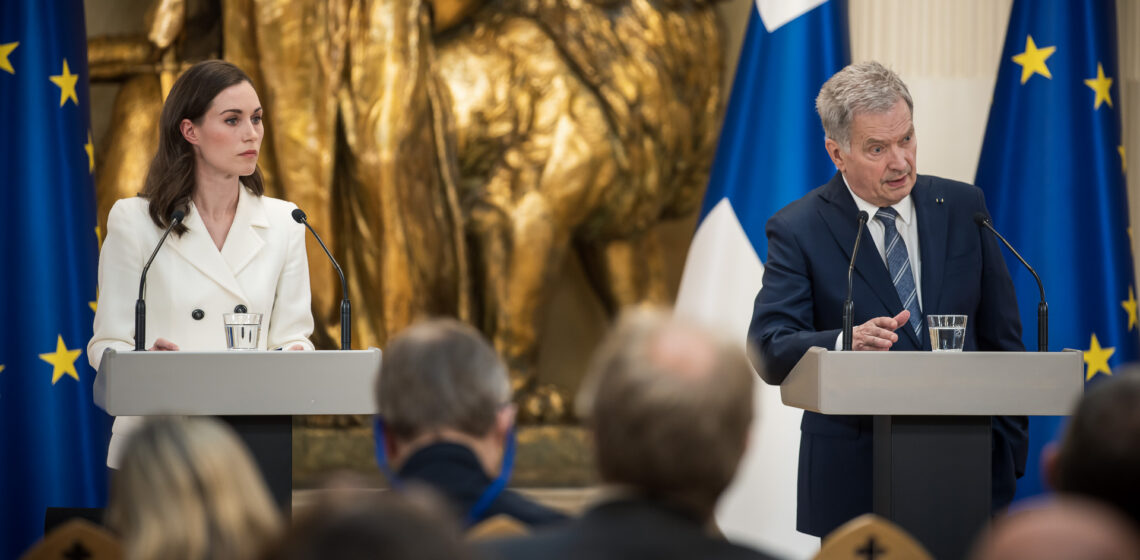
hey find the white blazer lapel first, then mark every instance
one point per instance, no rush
(199, 250)
(245, 240)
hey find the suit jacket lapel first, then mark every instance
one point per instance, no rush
(199, 250)
(933, 235)
(244, 240)
(841, 217)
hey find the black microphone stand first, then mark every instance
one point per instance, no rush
(1042, 307)
(345, 306)
(140, 304)
(849, 304)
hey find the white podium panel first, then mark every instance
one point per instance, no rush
(936, 383)
(235, 383)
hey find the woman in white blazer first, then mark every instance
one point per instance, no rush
(234, 247)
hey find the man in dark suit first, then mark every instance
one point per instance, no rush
(669, 408)
(922, 254)
(445, 403)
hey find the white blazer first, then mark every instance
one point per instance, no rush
(262, 265)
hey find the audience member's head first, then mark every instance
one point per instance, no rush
(441, 381)
(670, 407)
(188, 488)
(391, 526)
(1067, 528)
(1099, 455)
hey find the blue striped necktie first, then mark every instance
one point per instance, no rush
(898, 262)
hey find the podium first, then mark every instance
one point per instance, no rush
(931, 458)
(255, 392)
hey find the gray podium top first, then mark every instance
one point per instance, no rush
(237, 383)
(936, 383)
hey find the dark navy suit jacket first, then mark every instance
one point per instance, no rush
(454, 471)
(801, 305)
(619, 530)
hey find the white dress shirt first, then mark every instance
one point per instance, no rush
(906, 223)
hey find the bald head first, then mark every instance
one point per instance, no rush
(1063, 529)
(670, 406)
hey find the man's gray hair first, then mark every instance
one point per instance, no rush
(669, 405)
(441, 374)
(867, 87)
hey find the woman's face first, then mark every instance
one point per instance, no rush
(228, 138)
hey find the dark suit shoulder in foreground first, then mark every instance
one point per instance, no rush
(622, 529)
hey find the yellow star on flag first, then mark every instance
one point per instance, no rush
(1100, 85)
(1032, 61)
(1129, 305)
(66, 82)
(5, 50)
(62, 360)
(1, 367)
(1096, 358)
(1123, 159)
(90, 147)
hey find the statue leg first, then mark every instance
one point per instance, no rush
(626, 272)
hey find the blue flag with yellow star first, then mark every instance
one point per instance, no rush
(53, 439)
(1052, 167)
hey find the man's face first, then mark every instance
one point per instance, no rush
(880, 167)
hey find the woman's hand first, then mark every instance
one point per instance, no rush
(296, 347)
(163, 345)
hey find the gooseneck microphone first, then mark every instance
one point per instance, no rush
(140, 304)
(345, 306)
(848, 304)
(1042, 308)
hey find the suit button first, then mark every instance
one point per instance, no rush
(197, 314)
(239, 308)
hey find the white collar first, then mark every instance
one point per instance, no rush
(904, 207)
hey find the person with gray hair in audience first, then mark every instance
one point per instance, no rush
(669, 407)
(446, 421)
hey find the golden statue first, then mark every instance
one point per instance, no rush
(456, 152)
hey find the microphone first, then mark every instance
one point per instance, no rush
(140, 304)
(1042, 308)
(345, 306)
(848, 304)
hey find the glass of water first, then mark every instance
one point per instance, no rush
(947, 332)
(242, 330)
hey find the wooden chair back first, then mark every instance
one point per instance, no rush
(77, 538)
(870, 537)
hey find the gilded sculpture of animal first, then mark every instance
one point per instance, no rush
(457, 152)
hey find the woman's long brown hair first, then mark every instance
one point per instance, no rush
(171, 178)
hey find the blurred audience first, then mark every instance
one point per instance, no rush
(1099, 455)
(669, 407)
(446, 421)
(377, 526)
(188, 489)
(1065, 528)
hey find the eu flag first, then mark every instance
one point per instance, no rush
(770, 153)
(52, 437)
(1052, 167)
